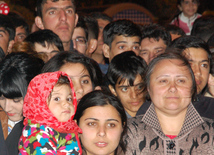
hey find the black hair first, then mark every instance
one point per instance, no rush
(102, 98)
(156, 32)
(175, 30)
(125, 66)
(120, 27)
(171, 53)
(93, 27)
(16, 71)
(7, 24)
(82, 24)
(60, 59)
(182, 43)
(203, 27)
(45, 38)
(19, 21)
(40, 4)
(210, 42)
(101, 15)
(2, 54)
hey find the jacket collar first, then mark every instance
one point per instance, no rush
(192, 120)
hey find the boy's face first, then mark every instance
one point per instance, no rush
(151, 48)
(47, 52)
(4, 40)
(188, 7)
(79, 40)
(131, 97)
(121, 44)
(61, 102)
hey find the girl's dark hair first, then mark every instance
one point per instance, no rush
(16, 71)
(170, 54)
(60, 59)
(102, 98)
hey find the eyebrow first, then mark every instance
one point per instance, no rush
(4, 31)
(55, 8)
(199, 61)
(169, 76)
(95, 119)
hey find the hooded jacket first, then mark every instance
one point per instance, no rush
(43, 133)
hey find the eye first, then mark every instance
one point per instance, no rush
(140, 87)
(70, 11)
(181, 81)
(16, 100)
(121, 47)
(69, 99)
(91, 124)
(2, 98)
(111, 125)
(159, 51)
(124, 89)
(136, 48)
(1, 35)
(85, 81)
(51, 12)
(205, 65)
(143, 53)
(163, 81)
(56, 99)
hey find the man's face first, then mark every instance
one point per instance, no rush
(59, 17)
(20, 34)
(4, 40)
(151, 48)
(121, 44)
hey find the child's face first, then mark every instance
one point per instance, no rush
(131, 97)
(121, 44)
(61, 102)
(188, 7)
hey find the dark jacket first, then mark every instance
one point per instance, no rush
(3, 148)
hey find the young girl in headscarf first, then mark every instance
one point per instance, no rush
(49, 107)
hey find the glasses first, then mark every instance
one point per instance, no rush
(80, 41)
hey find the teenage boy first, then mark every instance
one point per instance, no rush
(120, 36)
(60, 17)
(154, 41)
(125, 76)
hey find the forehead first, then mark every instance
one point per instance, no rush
(57, 4)
(196, 53)
(122, 38)
(78, 32)
(125, 81)
(152, 43)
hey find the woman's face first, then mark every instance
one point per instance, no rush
(170, 86)
(80, 78)
(12, 107)
(199, 61)
(101, 130)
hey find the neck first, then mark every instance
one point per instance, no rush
(66, 46)
(99, 58)
(171, 124)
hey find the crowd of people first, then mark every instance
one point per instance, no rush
(85, 84)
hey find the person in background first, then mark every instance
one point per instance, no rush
(102, 19)
(80, 36)
(171, 125)
(175, 31)
(22, 28)
(7, 31)
(49, 107)
(155, 40)
(125, 77)
(83, 71)
(60, 17)
(187, 14)
(46, 43)
(120, 36)
(16, 71)
(103, 121)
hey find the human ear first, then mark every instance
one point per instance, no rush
(106, 50)
(97, 88)
(39, 23)
(112, 90)
(180, 8)
(76, 19)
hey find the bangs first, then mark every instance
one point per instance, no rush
(129, 77)
(11, 86)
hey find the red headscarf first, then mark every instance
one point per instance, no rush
(35, 106)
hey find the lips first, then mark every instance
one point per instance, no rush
(101, 144)
(10, 114)
(198, 82)
(67, 111)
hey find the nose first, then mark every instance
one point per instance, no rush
(7, 107)
(63, 16)
(78, 90)
(74, 44)
(133, 93)
(151, 56)
(172, 87)
(196, 69)
(101, 131)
